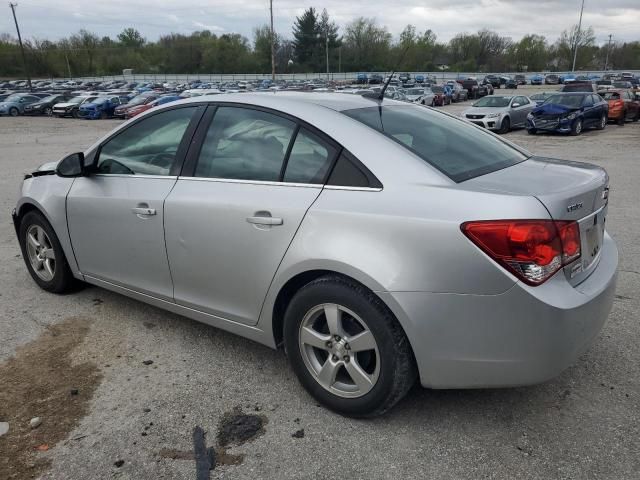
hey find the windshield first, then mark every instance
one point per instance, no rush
(540, 96)
(571, 101)
(458, 150)
(13, 98)
(50, 98)
(492, 102)
(77, 100)
(88, 99)
(437, 89)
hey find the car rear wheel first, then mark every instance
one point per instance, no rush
(75, 113)
(576, 128)
(603, 122)
(43, 254)
(48, 111)
(531, 131)
(346, 348)
(622, 118)
(505, 126)
(14, 112)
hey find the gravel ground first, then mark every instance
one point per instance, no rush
(140, 420)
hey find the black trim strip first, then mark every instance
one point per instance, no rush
(285, 162)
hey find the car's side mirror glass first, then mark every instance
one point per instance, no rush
(71, 166)
(514, 105)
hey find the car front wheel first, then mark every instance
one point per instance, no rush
(43, 254)
(346, 348)
(14, 112)
(576, 128)
(505, 126)
(603, 122)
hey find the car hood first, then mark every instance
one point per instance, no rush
(485, 110)
(552, 109)
(65, 105)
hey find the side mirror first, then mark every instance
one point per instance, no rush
(515, 105)
(71, 166)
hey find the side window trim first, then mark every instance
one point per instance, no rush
(287, 154)
(182, 147)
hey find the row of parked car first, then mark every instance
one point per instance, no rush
(563, 112)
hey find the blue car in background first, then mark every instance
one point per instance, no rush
(537, 79)
(419, 78)
(101, 107)
(567, 78)
(362, 78)
(14, 104)
(569, 113)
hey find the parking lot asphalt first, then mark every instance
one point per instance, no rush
(147, 378)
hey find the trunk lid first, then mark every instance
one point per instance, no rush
(569, 191)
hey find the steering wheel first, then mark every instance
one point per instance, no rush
(164, 160)
(111, 165)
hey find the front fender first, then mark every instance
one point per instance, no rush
(48, 194)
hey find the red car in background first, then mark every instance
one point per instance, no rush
(138, 109)
(623, 105)
(146, 97)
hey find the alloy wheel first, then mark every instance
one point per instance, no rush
(41, 253)
(339, 350)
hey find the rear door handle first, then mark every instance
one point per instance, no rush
(144, 211)
(265, 220)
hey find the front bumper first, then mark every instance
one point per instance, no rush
(488, 123)
(523, 336)
(89, 114)
(561, 125)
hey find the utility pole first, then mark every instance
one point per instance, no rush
(273, 48)
(606, 62)
(24, 59)
(326, 38)
(575, 52)
(340, 59)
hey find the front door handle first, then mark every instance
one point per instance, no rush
(265, 220)
(144, 211)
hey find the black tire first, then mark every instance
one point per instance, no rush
(48, 111)
(622, 118)
(398, 370)
(75, 113)
(63, 280)
(637, 117)
(532, 131)
(14, 112)
(576, 127)
(104, 115)
(505, 126)
(603, 122)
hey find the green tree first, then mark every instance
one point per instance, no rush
(306, 38)
(131, 38)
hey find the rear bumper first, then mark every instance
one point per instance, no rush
(523, 336)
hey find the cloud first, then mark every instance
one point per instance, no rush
(213, 28)
(513, 18)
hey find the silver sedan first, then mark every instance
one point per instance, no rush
(500, 112)
(376, 241)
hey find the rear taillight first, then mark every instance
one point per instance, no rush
(533, 250)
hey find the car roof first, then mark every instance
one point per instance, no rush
(285, 101)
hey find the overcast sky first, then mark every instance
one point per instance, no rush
(57, 18)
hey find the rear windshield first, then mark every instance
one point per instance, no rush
(459, 150)
(610, 95)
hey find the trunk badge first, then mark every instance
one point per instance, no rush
(574, 207)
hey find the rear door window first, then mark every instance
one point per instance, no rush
(309, 160)
(245, 144)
